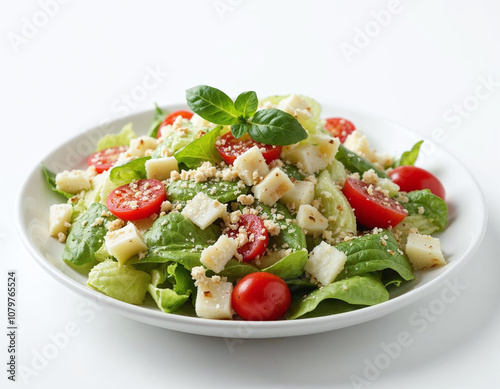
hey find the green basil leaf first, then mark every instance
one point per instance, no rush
(355, 163)
(87, 235)
(275, 127)
(51, 180)
(293, 171)
(200, 150)
(434, 208)
(408, 158)
(212, 104)
(223, 191)
(246, 104)
(239, 129)
(157, 120)
(132, 170)
(358, 291)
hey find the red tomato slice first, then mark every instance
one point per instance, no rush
(339, 127)
(230, 148)
(170, 119)
(105, 159)
(136, 200)
(411, 178)
(261, 296)
(371, 207)
(257, 244)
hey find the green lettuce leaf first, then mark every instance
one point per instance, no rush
(424, 225)
(173, 238)
(131, 170)
(123, 138)
(235, 270)
(434, 207)
(291, 266)
(355, 163)
(87, 235)
(51, 180)
(225, 191)
(358, 290)
(368, 254)
(408, 158)
(200, 150)
(334, 206)
(175, 140)
(122, 283)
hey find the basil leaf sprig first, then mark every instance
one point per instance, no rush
(269, 126)
(408, 158)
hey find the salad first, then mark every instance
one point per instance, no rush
(248, 209)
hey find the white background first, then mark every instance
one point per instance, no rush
(74, 71)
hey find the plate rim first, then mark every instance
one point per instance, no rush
(233, 328)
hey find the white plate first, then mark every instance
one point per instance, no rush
(466, 226)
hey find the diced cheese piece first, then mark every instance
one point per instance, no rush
(325, 263)
(203, 211)
(59, 217)
(311, 220)
(358, 143)
(296, 106)
(124, 243)
(160, 168)
(272, 187)
(73, 181)
(249, 162)
(424, 251)
(198, 121)
(213, 298)
(301, 193)
(217, 255)
(138, 146)
(314, 156)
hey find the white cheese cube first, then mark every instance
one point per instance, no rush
(301, 193)
(160, 168)
(296, 106)
(325, 263)
(59, 218)
(138, 146)
(424, 251)
(203, 211)
(217, 255)
(73, 181)
(213, 298)
(358, 143)
(314, 156)
(249, 162)
(124, 243)
(311, 220)
(198, 121)
(272, 187)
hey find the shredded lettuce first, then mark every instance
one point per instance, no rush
(123, 138)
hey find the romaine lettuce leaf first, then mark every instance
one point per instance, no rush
(158, 119)
(371, 253)
(409, 157)
(175, 141)
(335, 205)
(358, 290)
(131, 170)
(122, 283)
(87, 235)
(291, 266)
(235, 270)
(51, 180)
(123, 138)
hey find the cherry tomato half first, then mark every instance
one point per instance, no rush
(230, 148)
(105, 159)
(261, 296)
(411, 178)
(371, 207)
(257, 234)
(136, 200)
(339, 127)
(170, 119)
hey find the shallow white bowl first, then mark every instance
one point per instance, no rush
(466, 226)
